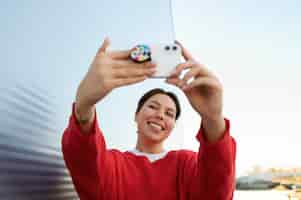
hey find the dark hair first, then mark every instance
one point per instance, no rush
(155, 91)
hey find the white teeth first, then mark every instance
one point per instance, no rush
(155, 126)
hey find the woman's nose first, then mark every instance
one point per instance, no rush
(160, 114)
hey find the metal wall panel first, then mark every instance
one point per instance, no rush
(46, 48)
(31, 164)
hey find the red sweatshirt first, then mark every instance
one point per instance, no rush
(101, 174)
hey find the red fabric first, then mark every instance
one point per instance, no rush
(101, 174)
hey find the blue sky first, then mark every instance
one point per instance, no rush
(254, 47)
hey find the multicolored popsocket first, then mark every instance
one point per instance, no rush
(141, 53)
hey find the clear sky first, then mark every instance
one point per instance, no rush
(253, 46)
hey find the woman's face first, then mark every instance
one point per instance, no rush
(156, 118)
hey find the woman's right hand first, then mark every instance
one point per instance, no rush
(109, 70)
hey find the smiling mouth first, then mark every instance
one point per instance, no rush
(156, 126)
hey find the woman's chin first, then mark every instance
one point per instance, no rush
(156, 137)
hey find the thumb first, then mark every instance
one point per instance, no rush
(186, 54)
(104, 46)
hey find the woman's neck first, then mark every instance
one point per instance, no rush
(149, 147)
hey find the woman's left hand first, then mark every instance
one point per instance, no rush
(202, 88)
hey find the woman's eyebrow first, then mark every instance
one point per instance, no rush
(156, 102)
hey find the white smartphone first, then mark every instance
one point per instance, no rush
(166, 57)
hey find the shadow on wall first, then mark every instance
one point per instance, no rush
(31, 163)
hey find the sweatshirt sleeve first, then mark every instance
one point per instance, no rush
(80, 154)
(214, 176)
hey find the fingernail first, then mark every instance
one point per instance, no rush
(167, 79)
(150, 64)
(172, 73)
(107, 38)
(153, 63)
(152, 71)
(186, 87)
(183, 85)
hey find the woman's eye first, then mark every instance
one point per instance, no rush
(170, 114)
(152, 106)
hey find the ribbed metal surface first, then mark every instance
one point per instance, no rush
(31, 163)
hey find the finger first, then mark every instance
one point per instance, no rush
(126, 69)
(180, 67)
(192, 73)
(186, 54)
(203, 70)
(128, 81)
(123, 54)
(104, 46)
(133, 72)
(176, 82)
(197, 71)
(131, 64)
(209, 82)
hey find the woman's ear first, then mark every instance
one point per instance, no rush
(136, 117)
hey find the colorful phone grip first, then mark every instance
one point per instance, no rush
(141, 53)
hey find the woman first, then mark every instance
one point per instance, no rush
(149, 172)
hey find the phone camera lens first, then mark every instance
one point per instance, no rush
(174, 48)
(167, 48)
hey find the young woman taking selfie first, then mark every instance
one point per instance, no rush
(149, 172)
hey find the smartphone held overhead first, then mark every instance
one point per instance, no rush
(166, 57)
